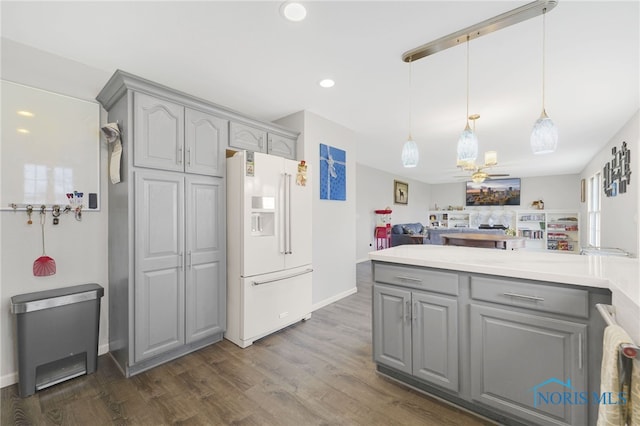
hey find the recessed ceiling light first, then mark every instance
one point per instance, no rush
(23, 131)
(25, 113)
(293, 11)
(326, 83)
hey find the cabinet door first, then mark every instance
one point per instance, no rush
(435, 339)
(158, 133)
(159, 263)
(392, 327)
(281, 146)
(246, 137)
(518, 360)
(206, 138)
(206, 261)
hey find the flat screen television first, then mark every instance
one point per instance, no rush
(494, 192)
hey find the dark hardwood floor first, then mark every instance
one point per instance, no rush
(318, 372)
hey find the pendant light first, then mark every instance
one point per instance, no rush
(410, 154)
(468, 141)
(544, 136)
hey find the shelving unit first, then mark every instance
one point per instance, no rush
(549, 230)
(449, 218)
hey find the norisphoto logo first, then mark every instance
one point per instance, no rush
(570, 396)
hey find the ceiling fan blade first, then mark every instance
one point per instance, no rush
(498, 175)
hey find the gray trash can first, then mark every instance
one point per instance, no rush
(57, 333)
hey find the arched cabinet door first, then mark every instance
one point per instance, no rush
(159, 133)
(206, 139)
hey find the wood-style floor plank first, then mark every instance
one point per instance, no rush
(317, 372)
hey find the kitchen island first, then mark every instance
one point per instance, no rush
(494, 331)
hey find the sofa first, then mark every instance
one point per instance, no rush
(404, 233)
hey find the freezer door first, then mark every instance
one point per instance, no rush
(274, 301)
(262, 228)
(297, 213)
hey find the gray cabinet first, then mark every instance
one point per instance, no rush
(514, 353)
(506, 348)
(171, 137)
(167, 225)
(281, 145)
(416, 332)
(243, 136)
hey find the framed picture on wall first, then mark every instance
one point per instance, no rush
(400, 192)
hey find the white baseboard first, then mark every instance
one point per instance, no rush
(333, 299)
(12, 378)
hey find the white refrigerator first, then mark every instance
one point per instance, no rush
(269, 271)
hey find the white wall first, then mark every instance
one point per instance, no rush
(619, 215)
(374, 190)
(334, 223)
(558, 193)
(79, 248)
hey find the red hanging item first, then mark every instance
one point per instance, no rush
(44, 265)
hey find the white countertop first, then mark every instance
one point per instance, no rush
(619, 274)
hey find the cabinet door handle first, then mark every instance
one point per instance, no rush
(524, 296)
(405, 278)
(580, 351)
(180, 155)
(181, 260)
(414, 311)
(260, 142)
(190, 259)
(189, 156)
(407, 311)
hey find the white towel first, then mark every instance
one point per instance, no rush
(634, 401)
(617, 414)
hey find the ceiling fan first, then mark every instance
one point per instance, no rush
(479, 175)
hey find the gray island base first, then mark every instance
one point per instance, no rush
(517, 351)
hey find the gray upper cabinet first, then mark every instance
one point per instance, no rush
(243, 136)
(247, 137)
(206, 139)
(158, 132)
(281, 145)
(171, 137)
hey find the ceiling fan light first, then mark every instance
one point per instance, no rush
(478, 177)
(410, 154)
(490, 158)
(467, 146)
(544, 136)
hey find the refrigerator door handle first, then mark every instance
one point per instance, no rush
(289, 214)
(286, 277)
(282, 237)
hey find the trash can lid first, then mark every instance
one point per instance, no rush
(47, 299)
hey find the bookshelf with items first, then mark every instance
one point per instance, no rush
(531, 225)
(562, 232)
(549, 230)
(448, 219)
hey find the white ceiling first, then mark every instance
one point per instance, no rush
(245, 56)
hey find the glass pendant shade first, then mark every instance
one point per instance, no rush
(410, 154)
(467, 146)
(544, 136)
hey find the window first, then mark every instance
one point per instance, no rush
(593, 209)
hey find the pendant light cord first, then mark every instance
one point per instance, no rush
(410, 137)
(467, 80)
(544, 31)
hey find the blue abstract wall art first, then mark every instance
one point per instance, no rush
(333, 173)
